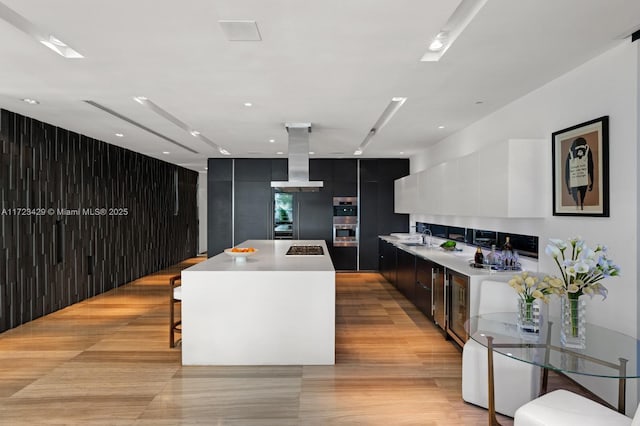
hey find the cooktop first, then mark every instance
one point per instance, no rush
(305, 251)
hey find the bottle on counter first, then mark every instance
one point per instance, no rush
(491, 257)
(479, 257)
(507, 245)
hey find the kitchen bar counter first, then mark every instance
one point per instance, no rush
(457, 261)
(272, 310)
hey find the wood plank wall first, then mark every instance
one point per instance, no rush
(51, 260)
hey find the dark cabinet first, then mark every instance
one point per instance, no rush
(219, 205)
(314, 215)
(377, 215)
(423, 296)
(343, 258)
(253, 211)
(406, 274)
(388, 261)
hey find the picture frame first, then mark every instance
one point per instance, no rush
(580, 158)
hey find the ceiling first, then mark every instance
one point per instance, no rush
(334, 63)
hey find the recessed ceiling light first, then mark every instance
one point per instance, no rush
(455, 25)
(166, 152)
(248, 104)
(30, 101)
(206, 168)
(140, 99)
(61, 48)
(401, 152)
(120, 135)
(357, 152)
(440, 127)
(195, 133)
(311, 152)
(224, 151)
(279, 152)
(436, 45)
(479, 102)
(272, 140)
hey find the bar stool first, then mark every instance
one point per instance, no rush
(175, 297)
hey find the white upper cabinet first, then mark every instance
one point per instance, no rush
(406, 194)
(505, 179)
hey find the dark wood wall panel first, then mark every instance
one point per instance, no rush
(51, 260)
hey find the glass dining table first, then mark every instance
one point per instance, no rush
(608, 353)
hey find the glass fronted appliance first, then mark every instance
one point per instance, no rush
(345, 222)
(283, 216)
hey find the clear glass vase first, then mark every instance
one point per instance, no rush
(530, 316)
(573, 312)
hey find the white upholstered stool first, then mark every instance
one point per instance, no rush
(516, 382)
(564, 408)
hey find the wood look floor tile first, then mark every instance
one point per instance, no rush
(106, 361)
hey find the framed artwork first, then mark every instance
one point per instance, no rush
(581, 169)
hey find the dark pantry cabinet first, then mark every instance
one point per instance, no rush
(240, 203)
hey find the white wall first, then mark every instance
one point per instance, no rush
(202, 212)
(606, 85)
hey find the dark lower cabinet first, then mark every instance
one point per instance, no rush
(388, 261)
(423, 296)
(406, 274)
(343, 258)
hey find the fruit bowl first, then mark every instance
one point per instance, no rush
(240, 254)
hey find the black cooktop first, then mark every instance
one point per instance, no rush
(305, 251)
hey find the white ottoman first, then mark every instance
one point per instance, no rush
(564, 408)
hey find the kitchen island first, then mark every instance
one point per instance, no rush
(273, 309)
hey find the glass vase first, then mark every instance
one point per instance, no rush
(530, 316)
(573, 312)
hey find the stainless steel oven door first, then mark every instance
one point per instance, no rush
(345, 235)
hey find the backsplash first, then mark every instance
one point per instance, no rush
(525, 245)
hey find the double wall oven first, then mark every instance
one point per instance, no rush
(345, 222)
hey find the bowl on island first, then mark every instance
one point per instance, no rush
(240, 254)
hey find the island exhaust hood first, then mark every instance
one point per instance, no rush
(298, 161)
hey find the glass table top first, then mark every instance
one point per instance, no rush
(603, 346)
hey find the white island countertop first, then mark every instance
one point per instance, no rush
(273, 309)
(271, 256)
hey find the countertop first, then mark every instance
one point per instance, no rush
(457, 261)
(270, 257)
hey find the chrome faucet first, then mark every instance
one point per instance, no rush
(424, 235)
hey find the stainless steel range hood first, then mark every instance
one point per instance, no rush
(298, 162)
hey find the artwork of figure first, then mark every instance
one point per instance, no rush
(579, 171)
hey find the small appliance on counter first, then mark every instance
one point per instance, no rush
(345, 222)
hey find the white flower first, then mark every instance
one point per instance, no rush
(581, 268)
(558, 243)
(552, 251)
(530, 282)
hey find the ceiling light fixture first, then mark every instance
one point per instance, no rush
(248, 104)
(181, 124)
(61, 48)
(272, 140)
(440, 127)
(458, 21)
(120, 135)
(38, 34)
(30, 101)
(387, 114)
(279, 152)
(138, 125)
(166, 152)
(311, 153)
